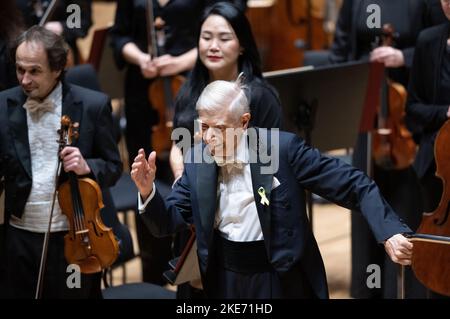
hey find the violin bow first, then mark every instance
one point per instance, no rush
(43, 262)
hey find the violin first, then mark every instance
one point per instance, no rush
(89, 243)
(162, 90)
(393, 146)
(431, 250)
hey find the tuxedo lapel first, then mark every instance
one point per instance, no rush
(206, 189)
(19, 130)
(261, 180)
(72, 107)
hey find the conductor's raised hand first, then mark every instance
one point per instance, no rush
(143, 173)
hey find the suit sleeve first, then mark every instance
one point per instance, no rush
(165, 217)
(419, 108)
(345, 185)
(105, 163)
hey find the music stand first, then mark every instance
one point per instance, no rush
(328, 105)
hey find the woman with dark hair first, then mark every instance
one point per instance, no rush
(226, 47)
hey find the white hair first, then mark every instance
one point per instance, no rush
(223, 96)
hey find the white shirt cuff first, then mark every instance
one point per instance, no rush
(142, 206)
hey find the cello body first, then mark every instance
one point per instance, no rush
(431, 261)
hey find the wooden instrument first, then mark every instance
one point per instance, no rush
(431, 251)
(162, 90)
(393, 146)
(89, 243)
(283, 29)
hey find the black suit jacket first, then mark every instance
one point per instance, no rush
(289, 241)
(91, 109)
(424, 108)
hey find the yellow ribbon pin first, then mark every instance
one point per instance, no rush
(262, 193)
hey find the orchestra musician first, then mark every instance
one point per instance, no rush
(31, 115)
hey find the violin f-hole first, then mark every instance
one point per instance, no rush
(97, 233)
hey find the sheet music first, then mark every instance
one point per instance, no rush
(190, 269)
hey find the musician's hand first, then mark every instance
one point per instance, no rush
(168, 65)
(55, 27)
(73, 161)
(399, 249)
(143, 173)
(148, 68)
(448, 112)
(391, 57)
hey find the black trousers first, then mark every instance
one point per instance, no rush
(23, 255)
(241, 270)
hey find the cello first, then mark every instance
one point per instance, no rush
(393, 146)
(431, 250)
(162, 90)
(89, 243)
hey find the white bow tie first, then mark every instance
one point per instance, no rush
(37, 108)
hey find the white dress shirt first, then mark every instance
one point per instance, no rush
(236, 216)
(43, 136)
